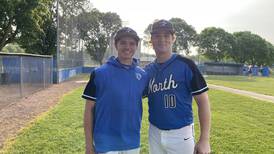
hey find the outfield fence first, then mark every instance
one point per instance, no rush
(23, 74)
(212, 68)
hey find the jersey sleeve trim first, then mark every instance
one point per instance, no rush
(197, 92)
(88, 97)
(90, 90)
(197, 82)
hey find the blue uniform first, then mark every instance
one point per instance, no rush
(171, 87)
(117, 90)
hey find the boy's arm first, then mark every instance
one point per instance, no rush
(88, 126)
(204, 114)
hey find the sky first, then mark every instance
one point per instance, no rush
(256, 16)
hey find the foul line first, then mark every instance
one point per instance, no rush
(243, 92)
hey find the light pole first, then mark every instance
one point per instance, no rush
(58, 45)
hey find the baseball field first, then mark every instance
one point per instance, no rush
(239, 124)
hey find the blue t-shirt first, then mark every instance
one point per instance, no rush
(117, 90)
(171, 87)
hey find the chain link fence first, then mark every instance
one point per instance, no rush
(69, 44)
(71, 54)
(23, 74)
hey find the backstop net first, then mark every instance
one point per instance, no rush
(71, 50)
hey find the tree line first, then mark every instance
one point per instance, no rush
(217, 45)
(32, 24)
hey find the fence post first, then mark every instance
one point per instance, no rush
(51, 70)
(21, 76)
(58, 45)
(44, 73)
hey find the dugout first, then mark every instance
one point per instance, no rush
(22, 74)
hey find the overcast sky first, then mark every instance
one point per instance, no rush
(256, 16)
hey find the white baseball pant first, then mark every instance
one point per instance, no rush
(174, 141)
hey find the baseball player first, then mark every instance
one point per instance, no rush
(173, 82)
(113, 110)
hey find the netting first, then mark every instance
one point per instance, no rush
(71, 50)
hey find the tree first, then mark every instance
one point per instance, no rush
(13, 48)
(17, 18)
(270, 57)
(252, 49)
(96, 29)
(73, 7)
(185, 35)
(146, 38)
(215, 43)
(69, 12)
(30, 23)
(42, 41)
(110, 23)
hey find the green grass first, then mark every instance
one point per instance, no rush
(144, 130)
(262, 85)
(83, 76)
(239, 125)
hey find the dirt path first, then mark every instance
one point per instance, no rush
(15, 116)
(243, 92)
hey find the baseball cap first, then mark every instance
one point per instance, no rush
(162, 25)
(126, 32)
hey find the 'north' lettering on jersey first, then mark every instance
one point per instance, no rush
(154, 87)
